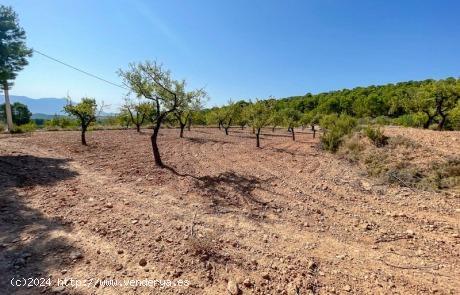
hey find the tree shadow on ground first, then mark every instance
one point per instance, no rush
(28, 244)
(231, 192)
(268, 134)
(206, 140)
(204, 130)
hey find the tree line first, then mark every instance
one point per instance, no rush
(160, 98)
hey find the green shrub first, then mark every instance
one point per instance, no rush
(331, 140)
(376, 163)
(328, 121)
(382, 120)
(62, 122)
(16, 130)
(454, 118)
(376, 136)
(411, 120)
(336, 127)
(39, 121)
(364, 120)
(29, 127)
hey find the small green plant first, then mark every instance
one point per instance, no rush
(382, 120)
(16, 130)
(336, 127)
(376, 136)
(331, 140)
(411, 120)
(29, 127)
(24, 128)
(61, 122)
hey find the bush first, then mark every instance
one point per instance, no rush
(382, 120)
(411, 120)
(376, 136)
(39, 121)
(331, 140)
(454, 118)
(352, 147)
(29, 127)
(364, 120)
(61, 122)
(336, 128)
(16, 130)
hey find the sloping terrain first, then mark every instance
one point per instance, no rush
(229, 218)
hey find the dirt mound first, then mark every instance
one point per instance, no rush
(410, 158)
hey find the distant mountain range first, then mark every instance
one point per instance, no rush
(43, 108)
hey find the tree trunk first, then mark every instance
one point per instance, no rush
(138, 128)
(293, 134)
(182, 127)
(189, 125)
(314, 130)
(153, 139)
(83, 135)
(273, 129)
(226, 130)
(442, 122)
(428, 122)
(9, 116)
(220, 123)
(257, 138)
(242, 127)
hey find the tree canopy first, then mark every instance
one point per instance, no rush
(13, 54)
(13, 49)
(20, 112)
(409, 103)
(85, 112)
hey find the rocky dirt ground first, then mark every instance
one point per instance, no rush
(229, 218)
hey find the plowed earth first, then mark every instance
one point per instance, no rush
(287, 218)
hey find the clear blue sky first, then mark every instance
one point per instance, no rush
(237, 48)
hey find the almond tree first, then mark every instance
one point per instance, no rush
(228, 114)
(151, 81)
(240, 113)
(311, 119)
(190, 102)
(291, 119)
(259, 115)
(139, 111)
(123, 118)
(85, 112)
(276, 120)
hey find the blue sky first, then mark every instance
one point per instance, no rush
(238, 49)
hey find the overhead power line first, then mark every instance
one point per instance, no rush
(79, 70)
